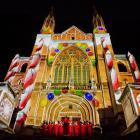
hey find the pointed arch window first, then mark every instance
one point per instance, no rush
(23, 67)
(72, 65)
(122, 67)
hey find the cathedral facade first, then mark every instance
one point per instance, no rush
(75, 74)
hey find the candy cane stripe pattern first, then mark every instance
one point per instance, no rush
(9, 74)
(134, 66)
(28, 85)
(14, 64)
(35, 60)
(16, 57)
(22, 115)
(109, 59)
(132, 61)
(137, 75)
(13, 69)
(40, 45)
(113, 73)
(12, 72)
(26, 96)
(105, 45)
(31, 74)
(114, 79)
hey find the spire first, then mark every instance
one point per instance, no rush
(49, 23)
(94, 16)
(98, 23)
(52, 11)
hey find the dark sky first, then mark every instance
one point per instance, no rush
(20, 22)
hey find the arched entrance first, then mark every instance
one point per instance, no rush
(72, 106)
(71, 69)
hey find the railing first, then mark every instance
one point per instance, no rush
(76, 86)
(43, 86)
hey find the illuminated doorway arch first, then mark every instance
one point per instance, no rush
(59, 108)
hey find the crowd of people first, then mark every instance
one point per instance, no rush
(67, 128)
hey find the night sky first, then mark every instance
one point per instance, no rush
(20, 22)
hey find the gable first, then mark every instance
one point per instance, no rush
(72, 33)
(73, 30)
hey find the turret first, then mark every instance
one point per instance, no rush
(98, 23)
(49, 24)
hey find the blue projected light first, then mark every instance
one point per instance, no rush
(56, 50)
(50, 96)
(88, 96)
(87, 49)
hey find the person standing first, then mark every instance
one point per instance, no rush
(89, 129)
(61, 129)
(66, 125)
(50, 127)
(56, 129)
(71, 129)
(83, 129)
(77, 129)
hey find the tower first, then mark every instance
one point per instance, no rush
(114, 72)
(74, 74)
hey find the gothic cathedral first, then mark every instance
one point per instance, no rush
(75, 74)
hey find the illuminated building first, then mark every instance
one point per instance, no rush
(7, 104)
(73, 74)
